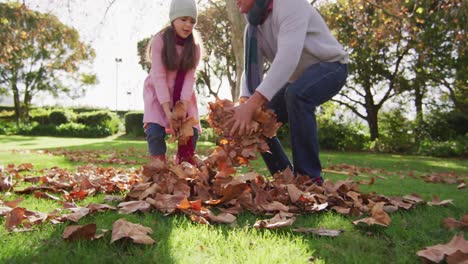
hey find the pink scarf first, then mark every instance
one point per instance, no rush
(184, 152)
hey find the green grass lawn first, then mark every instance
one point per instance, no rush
(178, 240)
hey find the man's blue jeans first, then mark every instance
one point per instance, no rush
(295, 103)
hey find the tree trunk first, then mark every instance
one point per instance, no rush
(373, 122)
(26, 105)
(238, 25)
(17, 102)
(418, 103)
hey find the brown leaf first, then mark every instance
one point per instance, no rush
(319, 231)
(225, 218)
(461, 186)
(14, 203)
(6, 183)
(341, 210)
(25, 167)
(231, 192)
(14, 218)
(414, 199)
(456, 249)
(379, 216)
(451, 223)
(100, 207)
(294, 192)
(436, 201)
(113, 198)
(166, 203)
(77, 214)
(138, 233)
(76, 232)
(45, 195)
(276, 222)
(133, 206)
(199, 219)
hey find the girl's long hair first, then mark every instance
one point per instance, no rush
(169, 56)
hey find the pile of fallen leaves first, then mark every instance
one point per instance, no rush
(211, 185)
(211, 191)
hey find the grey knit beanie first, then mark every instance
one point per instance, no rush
(182, 8)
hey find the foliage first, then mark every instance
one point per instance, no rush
(134, 124)
(65, 130)
(7, 116)
(339, 136)
(396, 46)
(100, 118)
(142, 48)
(207, 133)
(443, 125)
(219, 60)
(40, 115)
(396, 132)
(451, 148)
(38, 55)
(61, 116)
(376, 47)
(8, 128)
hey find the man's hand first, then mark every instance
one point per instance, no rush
(243, 115)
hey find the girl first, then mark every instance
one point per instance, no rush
(174, 53)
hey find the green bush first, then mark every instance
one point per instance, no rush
(40, 115)
(8, 128)
(98, 118)
(102, 118)
(450, 148)
(61, 116)
(339, 136)
(80, 130)
(396, 133)
(35, 129)
(444, 126)
(65, 130)
(7, 116)
(134, 124)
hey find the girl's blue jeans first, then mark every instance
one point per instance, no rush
(155, 136)
(295, 103)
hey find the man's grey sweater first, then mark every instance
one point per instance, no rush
(292, 38)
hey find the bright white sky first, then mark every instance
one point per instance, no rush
(114, 36)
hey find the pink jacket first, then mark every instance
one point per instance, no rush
(159, 86)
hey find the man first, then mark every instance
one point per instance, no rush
(308, 67)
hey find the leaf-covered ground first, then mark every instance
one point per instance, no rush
(52, 208)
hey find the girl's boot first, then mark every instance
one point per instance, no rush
(157, 159)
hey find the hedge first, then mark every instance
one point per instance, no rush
(134, 124)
